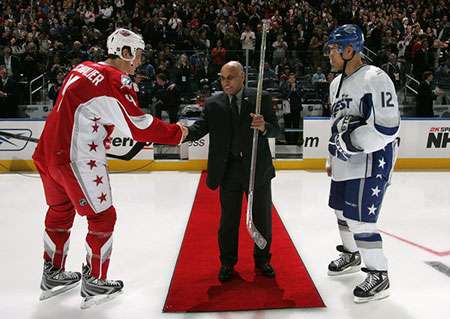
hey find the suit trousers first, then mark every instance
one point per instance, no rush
(232, 189)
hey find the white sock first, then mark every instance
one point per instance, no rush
(348, 241)
(346, 235)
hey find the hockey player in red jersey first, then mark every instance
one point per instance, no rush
(95, 99)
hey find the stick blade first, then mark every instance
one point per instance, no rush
(259, 240)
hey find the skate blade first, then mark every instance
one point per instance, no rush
(88, 302)
(379, 296)
(57, 291)
(349, 270)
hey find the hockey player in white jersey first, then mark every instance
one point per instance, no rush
(365, 123)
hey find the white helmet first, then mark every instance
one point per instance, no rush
(124, 38)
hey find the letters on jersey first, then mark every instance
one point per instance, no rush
(90, 73)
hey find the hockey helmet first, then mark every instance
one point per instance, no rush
(345, 35)
(124, 38)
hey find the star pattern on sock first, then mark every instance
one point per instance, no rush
(98, 180)
(102, 198)
(93, 147)
(375, 191)
(372, 209)
(92, 164)
(381, 163)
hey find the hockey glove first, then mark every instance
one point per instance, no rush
(347, 123)
(340, 144)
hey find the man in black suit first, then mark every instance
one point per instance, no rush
(11, 63)
(168, 98)
(8, 95)
(229, 118)
(425, 96)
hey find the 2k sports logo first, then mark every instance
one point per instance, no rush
(438, 137)
(8, 143)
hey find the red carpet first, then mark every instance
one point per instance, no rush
(196, 288)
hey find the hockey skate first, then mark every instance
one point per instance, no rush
(97, 291)
(374, 287)
(56, 281)
(347, 263)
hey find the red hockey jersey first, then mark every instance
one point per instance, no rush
(94, 99)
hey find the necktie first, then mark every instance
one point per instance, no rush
(234, 104)
(235, 124)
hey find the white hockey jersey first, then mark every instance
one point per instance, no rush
(369, 93)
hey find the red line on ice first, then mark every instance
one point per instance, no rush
(431, 251)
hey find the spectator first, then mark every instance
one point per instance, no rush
(144, 89)
(147, 68)
(205, 75)
(11, 63)
(204, 43)
(425, 96)
(31, 62)
(248, 40)
(76, 52)
(393, 69)
(443, 82)
(291, 90)
(89, 16)
(183, 77)
(175, 24)
(326, 107)
(315, 46)
(218, 54)
(55, 87)
(232, 43)
(8, 95)
(319, 76)
(280, 49)
(269, 76)
(167, 98)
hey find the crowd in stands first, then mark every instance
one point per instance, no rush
(188, 40)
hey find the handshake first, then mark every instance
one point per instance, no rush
(340, 144)
(184, 131)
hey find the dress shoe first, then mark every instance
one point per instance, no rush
(266, 270)
(226, 273)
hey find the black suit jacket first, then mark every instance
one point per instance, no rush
(216, 120)
(201, 74)
(9, 104)
(15, 66)
(424, 100)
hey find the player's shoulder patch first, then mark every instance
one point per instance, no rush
(126, 82)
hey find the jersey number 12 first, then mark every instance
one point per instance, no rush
(386, 99)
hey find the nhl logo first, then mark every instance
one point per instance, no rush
(83, 202)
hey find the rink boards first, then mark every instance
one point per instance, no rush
(424, 144)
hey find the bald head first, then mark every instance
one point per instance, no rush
(233, 65)
(232, 77)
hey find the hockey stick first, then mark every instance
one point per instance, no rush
(135, 149)
(259, 240)
(125, 157)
